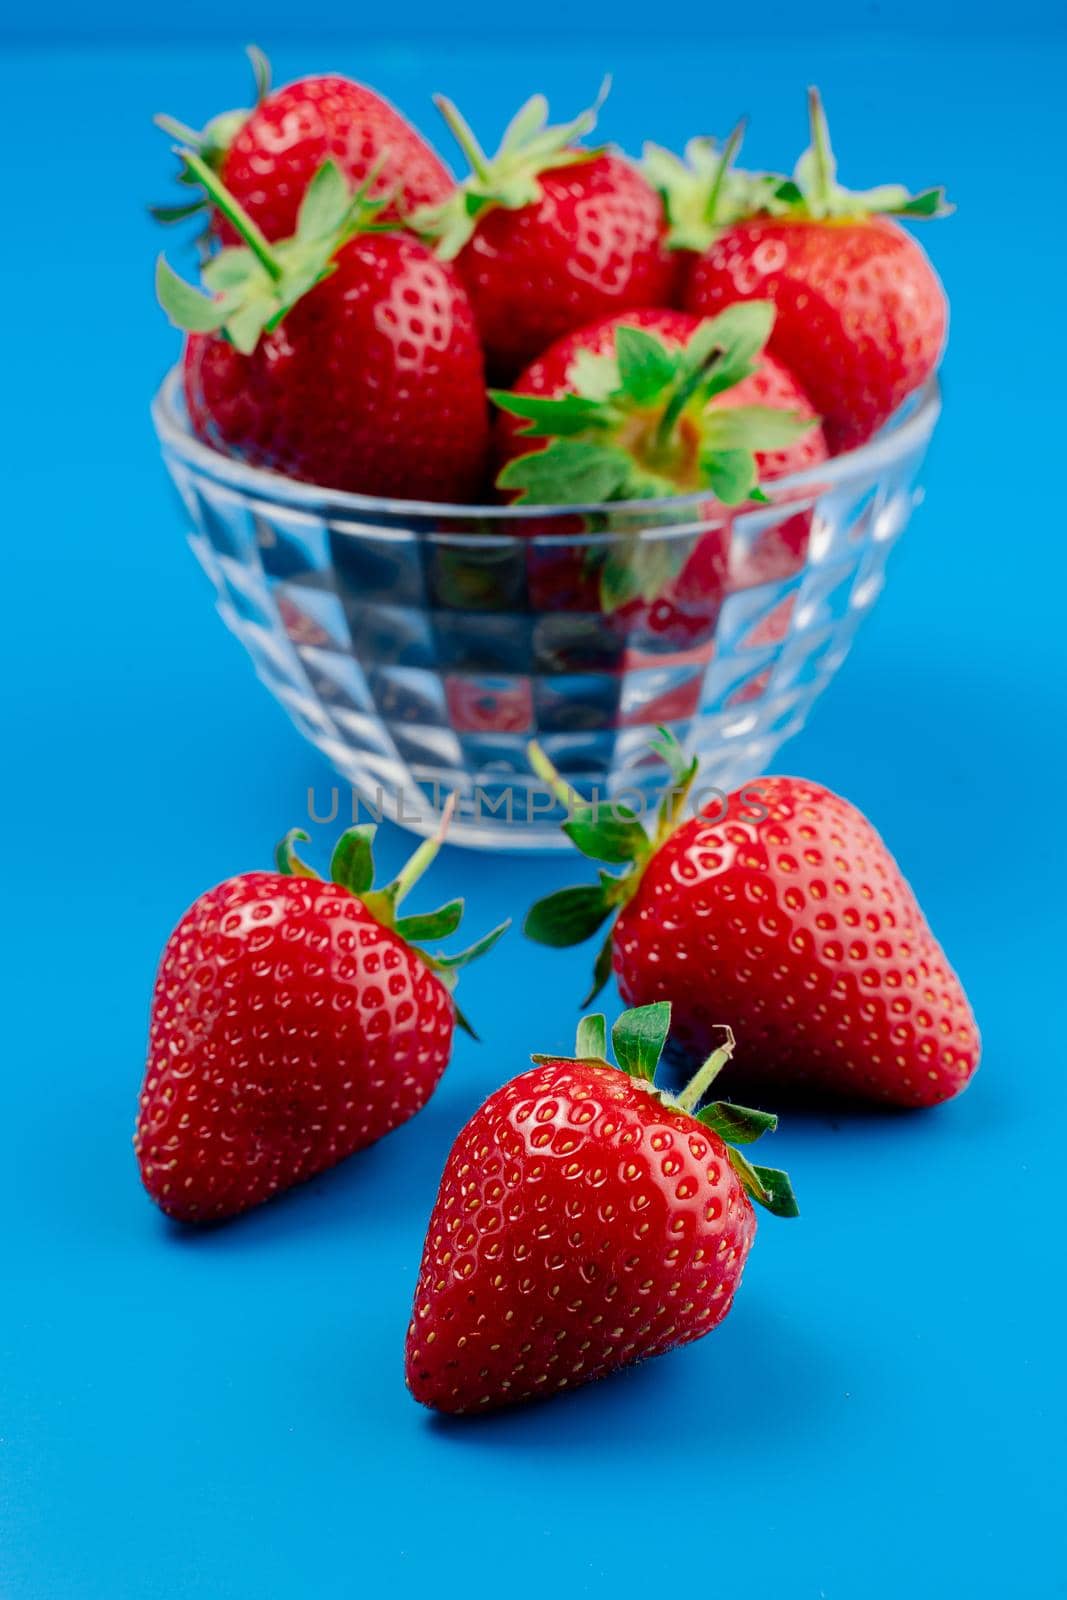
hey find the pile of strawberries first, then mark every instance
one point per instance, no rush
(588, 1216)
(650, 328)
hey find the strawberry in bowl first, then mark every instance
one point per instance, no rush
(642, 406)
(862, 316)
(267, 156)
(346, 355)
(547, 235)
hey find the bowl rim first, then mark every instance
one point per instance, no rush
(906, 428)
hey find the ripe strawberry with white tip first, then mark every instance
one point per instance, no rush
(782, 909)
(294, 1021)
(585, 1220)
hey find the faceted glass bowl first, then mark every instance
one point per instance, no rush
(421, 647)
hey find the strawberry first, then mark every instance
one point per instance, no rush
(655, 403)
(585, 1220)
(861, 313)
(784, 911)
(266, 157)
(547, 236)
(294, 1021)
(346, 356)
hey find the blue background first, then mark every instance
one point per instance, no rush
(223, 1414)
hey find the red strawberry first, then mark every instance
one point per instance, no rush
(786, 914)
(585, 1220)
(373, 382)
(548, 236)
(268, 156)
(739, 379)
(293, 1022)
(861, 312)
(654, 403)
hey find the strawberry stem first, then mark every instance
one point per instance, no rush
(234, 213)
(261, 73)
(177, 130)
(701, 1082)
(726, 161)
(544, 769)
(673, 804)
(413, 869)
(822, 152)
(464, 136)
(682, 396)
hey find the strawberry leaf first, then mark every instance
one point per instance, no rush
(606, 834)
(592, 1040)
(601, 970)
(462, 1022)
(640, 568)
(814, 192)
(930, 203)
(731, 474)
(570, 413)
(682, 768)
(431, 924)
(739, 333)
(324, 206)
(480, 948)
(260, 65)
(737, 1124)
(767, 1186)
(175, 213)
(568, 472)
(288, 862)
(185, 306)
(639, 1036)
(753, 428)
(352, 862)
(510, 179)
(646, 366)
(570, 916)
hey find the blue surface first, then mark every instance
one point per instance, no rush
(223, 1415)
(426, 24)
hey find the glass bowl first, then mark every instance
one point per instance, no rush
(421, 647)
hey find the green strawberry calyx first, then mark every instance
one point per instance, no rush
(636, 424)
(352, 868)
(609, 833)
(253, 285)
(638, 1037)
(509, 180)
(212, 141)
(814, 194)
(703, 192)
